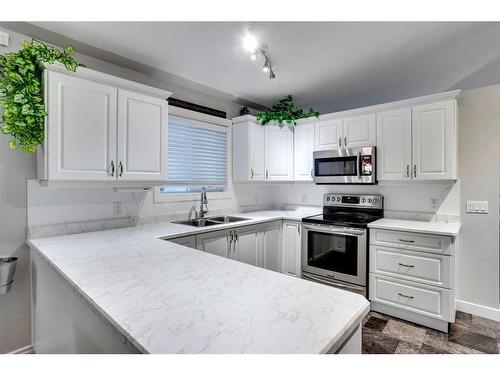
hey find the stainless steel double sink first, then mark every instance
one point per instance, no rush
(208, 221)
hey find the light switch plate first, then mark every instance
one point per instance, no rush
(477, 207)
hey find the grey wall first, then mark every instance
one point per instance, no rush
(479, 157)
(16, 168)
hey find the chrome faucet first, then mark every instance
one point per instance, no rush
(203, 202)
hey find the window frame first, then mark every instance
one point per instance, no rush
(211, 121)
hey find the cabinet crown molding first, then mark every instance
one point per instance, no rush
(100, 77)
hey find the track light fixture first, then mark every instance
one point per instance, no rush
(252, 45)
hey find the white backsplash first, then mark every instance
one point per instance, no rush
(57, 211)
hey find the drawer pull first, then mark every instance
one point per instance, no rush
(405, 296)
(407, 241)
(406, 265)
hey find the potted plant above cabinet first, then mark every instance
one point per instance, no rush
(102, 130)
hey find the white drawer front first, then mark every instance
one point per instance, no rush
(416, 266)
(431, 301)
(411, 241)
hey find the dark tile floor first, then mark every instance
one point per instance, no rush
(469, 334)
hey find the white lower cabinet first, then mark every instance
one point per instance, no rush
(216, 243)
(274, 246)
(270, 255)
(412, 276)
(189, 241)
(245, 244)
(291, 248)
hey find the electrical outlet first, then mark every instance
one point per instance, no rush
(117, 208)
(477, 207)
(304, 198)
(4, 39)
(433, 204)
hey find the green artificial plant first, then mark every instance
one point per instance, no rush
(284, 112)
(21, 94)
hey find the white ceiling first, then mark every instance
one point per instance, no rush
(328, 65)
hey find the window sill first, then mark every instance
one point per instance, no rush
(191, 197)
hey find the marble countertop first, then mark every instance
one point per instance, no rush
(167, 298)
(431, 227)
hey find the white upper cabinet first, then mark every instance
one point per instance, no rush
(81, 129)
(248, 150)
(279, 153)
(303, 151)
(394, 145)
(434, 140)
(359, 131)
(417, 143)
(102, 130)
(142, 137)
(328, 135)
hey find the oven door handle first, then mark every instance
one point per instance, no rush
(358, 165)
(342, 231)
(332, 283)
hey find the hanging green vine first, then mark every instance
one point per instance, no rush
(283, 112)
(21, 94)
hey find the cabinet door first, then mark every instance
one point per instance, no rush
(279, 153)
(394, 145)
(291, 248)
(246, 245)
(434, 138)
(189, 241)
(359, 131)
(256, 139)
(303, 151)
(81, 134)
(328, 135)
(271, 250)
(214, 242)
(142, 137)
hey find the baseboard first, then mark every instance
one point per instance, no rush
(25, 350)
(479, 310)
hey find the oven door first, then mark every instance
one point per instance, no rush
(338, 253)
(345, 166)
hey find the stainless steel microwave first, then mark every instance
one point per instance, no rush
(345, 166)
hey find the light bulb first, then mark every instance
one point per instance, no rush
(250, 42)
(253, 56)
(265, 69)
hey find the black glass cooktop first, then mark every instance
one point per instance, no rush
(346, 218)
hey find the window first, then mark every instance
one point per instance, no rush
(197, 157)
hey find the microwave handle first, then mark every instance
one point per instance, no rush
(358, 163)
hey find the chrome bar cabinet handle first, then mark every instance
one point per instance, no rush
(251, 173)
(340, 141)
(414, 170)
(345, 140)
(408, 170)
(407, 241)
(405, 296)
(121, 169)
(406, 265)
(112, 168)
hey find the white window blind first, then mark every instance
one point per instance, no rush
(197, 156)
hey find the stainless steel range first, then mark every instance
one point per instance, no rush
(335, 244)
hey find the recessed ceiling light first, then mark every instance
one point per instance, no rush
(250, 42)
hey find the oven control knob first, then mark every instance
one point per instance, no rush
(375, 200)
(338, 199)
(363, 200)
(327, 198)
(369, 200)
